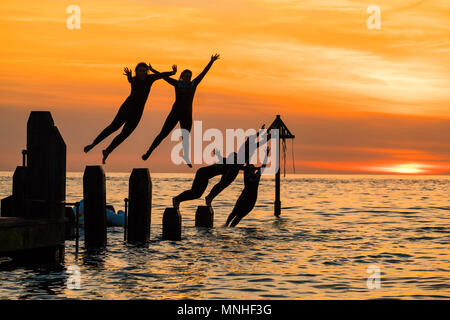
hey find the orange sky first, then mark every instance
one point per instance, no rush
(358, 100)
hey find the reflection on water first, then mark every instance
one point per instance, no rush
(331, 229)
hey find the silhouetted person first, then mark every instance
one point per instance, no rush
(130, 112)
(247, 200)
(182, 108)
(229, 176)
(228, 169)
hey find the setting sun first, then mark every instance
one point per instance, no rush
(408, 168)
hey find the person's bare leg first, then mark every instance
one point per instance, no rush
(114, 126)
(186, 147)
(199, 186)
(240, 210)
(169, 124)
(128, 128)
(231, 216)
(208, 201)
(237, 219)
(105, 155)
(186, 126)
(88, 147)
(175, 203)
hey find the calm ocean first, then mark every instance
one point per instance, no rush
(331, 230)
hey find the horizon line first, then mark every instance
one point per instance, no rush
(310, 174)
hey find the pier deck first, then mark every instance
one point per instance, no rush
(28, 238)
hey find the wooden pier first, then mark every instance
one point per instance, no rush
(32, 222)
(32, 240)
(35, 219)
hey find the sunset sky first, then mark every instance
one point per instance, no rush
(358, 100)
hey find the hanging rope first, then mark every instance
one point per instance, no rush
(293, 158)
(284, 156)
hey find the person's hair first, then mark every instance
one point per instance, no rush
(185, 71)
(141, 64)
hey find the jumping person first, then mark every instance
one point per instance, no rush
(181, 109)
(130, 112)
(228, 177)
(247, 200)
(229, 169)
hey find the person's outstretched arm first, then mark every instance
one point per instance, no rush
(127, 72)
(266, 158)
(245, 147)
(205, 71)
(165, 75)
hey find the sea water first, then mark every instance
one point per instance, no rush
(338, 237)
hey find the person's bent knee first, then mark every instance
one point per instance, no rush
(196, 194)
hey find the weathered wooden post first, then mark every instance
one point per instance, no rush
(125, 220)
(44, 180)
(46, 168)
(77, 226)
(204, 217)
(70, 223)
(14, 205)
(19, 186)
(94, 194)
(140, 206)
(171, 224)
(284, 134)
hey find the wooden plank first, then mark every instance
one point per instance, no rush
(18, 234)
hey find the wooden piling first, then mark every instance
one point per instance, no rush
(77, 227)
(69, 223)
(14, 206)
(94, 194)
(125, 220)
(140, 206)
(46, 168)
(19, 192)
(171, 224)
(7, 205)
(204, 217)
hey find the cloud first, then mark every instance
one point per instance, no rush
(337, 84)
